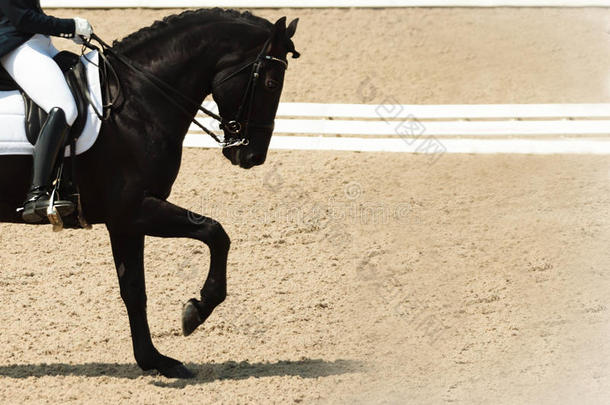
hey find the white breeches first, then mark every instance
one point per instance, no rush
(33, 68)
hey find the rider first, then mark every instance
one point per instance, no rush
(26, 53)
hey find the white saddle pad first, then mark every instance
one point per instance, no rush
(13, 140)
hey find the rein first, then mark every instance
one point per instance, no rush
(233, 127)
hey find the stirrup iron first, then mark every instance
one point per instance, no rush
(52, 213)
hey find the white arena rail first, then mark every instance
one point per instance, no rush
(500, 128)
(318, 3)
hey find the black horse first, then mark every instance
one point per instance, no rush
(126, 178)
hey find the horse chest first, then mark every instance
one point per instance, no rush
(162, 170)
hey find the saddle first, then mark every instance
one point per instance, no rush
(76, 77)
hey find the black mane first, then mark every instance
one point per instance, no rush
(187, 17)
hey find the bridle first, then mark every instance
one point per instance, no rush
(237, 128)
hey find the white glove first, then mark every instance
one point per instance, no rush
(82, 28)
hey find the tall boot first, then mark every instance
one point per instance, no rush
(50, 143)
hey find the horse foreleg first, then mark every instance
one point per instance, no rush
(163, 219)
(128, 254)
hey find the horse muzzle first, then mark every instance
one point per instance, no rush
(244, 158)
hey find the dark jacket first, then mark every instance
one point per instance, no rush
(21, 19)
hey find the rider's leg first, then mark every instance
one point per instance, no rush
(32, 67)
(51, 142)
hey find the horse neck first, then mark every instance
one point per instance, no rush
(188, 70)
(187, 58)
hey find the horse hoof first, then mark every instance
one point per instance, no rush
(177, 371)
(191, 318)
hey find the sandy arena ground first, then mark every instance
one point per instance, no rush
(355, 277)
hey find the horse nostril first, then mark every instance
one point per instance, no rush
(257, 158)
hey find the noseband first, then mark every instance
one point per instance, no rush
(237, 127)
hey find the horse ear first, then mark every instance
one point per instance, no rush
(284, 34)
(280, 25)
(292, 28)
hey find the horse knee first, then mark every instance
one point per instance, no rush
(218, 239)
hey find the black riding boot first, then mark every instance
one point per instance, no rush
(50, 143)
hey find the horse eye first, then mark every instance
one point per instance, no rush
(271, 84)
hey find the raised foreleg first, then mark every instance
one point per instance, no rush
(163, 219)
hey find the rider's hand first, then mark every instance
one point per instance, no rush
(82, 28)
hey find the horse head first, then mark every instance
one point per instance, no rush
(248, 96)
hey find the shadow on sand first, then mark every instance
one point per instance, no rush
(205, 373)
